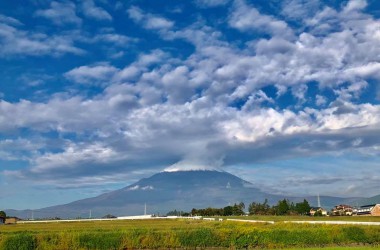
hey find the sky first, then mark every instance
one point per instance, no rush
(96, 94)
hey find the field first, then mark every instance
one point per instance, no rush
(181, 233)
(309, 218)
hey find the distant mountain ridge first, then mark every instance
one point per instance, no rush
(165, 191)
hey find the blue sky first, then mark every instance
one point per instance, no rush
(97, 94)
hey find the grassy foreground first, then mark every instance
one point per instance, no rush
(308, 218)
(153, 234)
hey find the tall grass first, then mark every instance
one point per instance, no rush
(20, 241)
(182, 234)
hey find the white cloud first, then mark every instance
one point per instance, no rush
(92, 11)
(149, 21)
(354, 90)
(160, 110)
(15, 41)
(355, 5)
(247, 18)
(74, 155)
(20, 148)
(193, 165)
(60, 13)
(299, 9)
(147, 188)
(10, 20)
(136, 187)
(299, 91)
(200, 132)
(363, 115)
(320, 100)
(158, 23)
(95, 75)
(370, 70)
(117, 39)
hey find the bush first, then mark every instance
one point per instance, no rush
(355, 234)
(100, 240)
(21, 241)
(202, 237)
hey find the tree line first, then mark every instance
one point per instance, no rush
(236, 209)
(283, 207)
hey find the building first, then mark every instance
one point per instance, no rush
(11, 220)
(368, 210)
(321, 210)
(2, 220)
(342, 210)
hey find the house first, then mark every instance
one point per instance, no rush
(11, 220)
(341, 210)
(2, 220)
(369, 210)
(314, 210)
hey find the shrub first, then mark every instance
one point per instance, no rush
(20, 241)
(355, 234)
(100, 240)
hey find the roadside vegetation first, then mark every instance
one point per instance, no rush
(181, 233)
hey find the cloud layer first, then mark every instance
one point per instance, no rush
(254, 89)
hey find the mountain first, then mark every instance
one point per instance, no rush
(165, 191)
(369, 201)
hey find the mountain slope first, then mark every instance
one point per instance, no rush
(369, 201)
(181, 190)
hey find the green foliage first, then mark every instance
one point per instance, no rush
(21, 241)
(3, 214)
(260, 208)
(202, 237)
(186, 234)
(236, 209)
(208, 212)
(228, 211)
(318, 213)
(100, 240)
(303, 208)
(355, 234)
(282, 207)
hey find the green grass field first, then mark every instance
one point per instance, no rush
(189, 234)
(309, 218)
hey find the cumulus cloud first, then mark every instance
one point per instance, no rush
(247, 18)
(60, 13)
(221, 104)
(20, 148)
(16, 41)
(355, 5)
(299, 9)
(113, 38)
(320, 100)
(9, 20)
(98, 74)
(92, 11)
(149, 21)
(201, 135)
